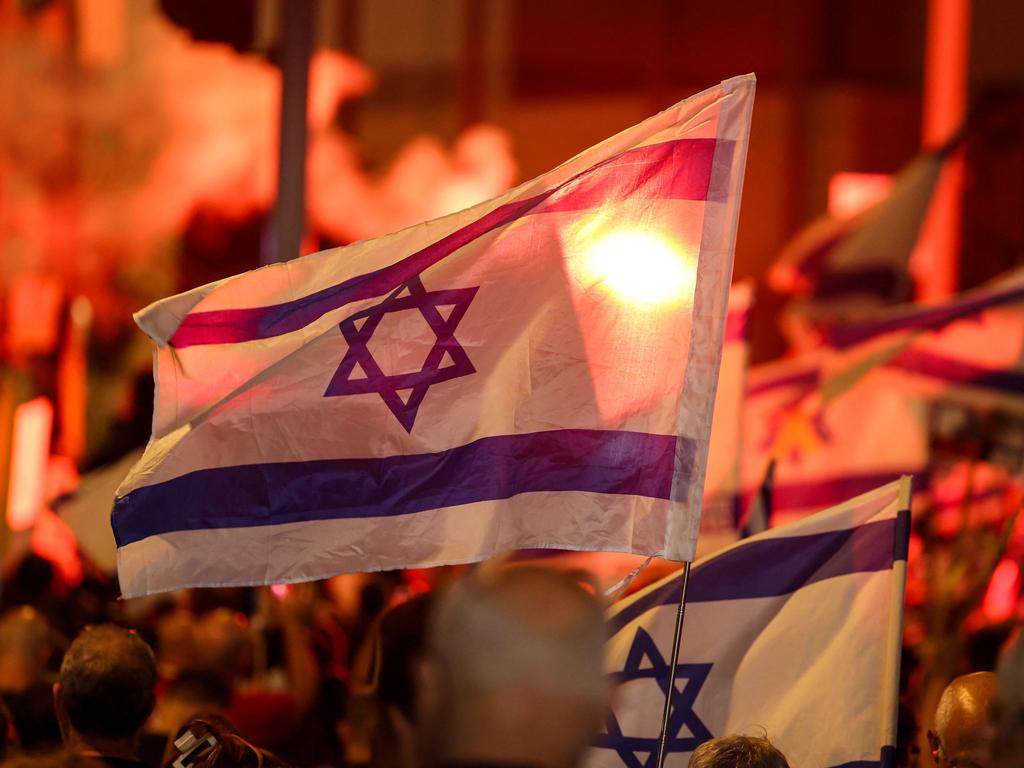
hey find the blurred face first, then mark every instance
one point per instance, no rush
(963, 746)
(221, 642)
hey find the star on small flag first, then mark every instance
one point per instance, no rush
(646, 662)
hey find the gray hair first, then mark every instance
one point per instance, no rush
(525, 629)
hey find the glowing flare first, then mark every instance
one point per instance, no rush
(30, 453)
(1001, 596)
(640, 267)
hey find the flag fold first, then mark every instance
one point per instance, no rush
(536, 371)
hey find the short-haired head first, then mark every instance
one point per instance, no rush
(24, 629)
(515, 666)
(963, 730)
(520, 628)
(738, 752)
(106, 683)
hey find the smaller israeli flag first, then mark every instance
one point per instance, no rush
(794, 632)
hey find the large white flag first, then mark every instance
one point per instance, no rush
(536, 371)
(794, 632)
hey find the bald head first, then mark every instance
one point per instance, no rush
(962, 735)
(518, 654)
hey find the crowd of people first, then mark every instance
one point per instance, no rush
(500, 666)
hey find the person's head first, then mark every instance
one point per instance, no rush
(176, 641)
(26, 643)
(381, 707)
(190, 693)
(105, 692)
(222, 641)
(962, 734)
(738, 752)
(513, 671)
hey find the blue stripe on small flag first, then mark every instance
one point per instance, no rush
(827, 492)
(776, 566)
(949, 369)
(925, 318)
(491, 468)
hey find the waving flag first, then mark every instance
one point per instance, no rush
(723, 482)
(536, 371)
(795, 631)
(827, 446)
(876, 401)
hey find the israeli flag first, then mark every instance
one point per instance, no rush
(794, 633)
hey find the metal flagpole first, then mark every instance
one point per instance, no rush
(663, 738)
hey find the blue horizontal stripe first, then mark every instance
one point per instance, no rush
(949, 369)
(779, 566)
(804, 379)
(925, 318)
(491, 468)
(827, 492)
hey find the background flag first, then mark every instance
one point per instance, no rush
(536, 371)
(723, 482)
(795, 631)
(896, 394)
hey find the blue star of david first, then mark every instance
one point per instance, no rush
(358, 329)
(630, 748)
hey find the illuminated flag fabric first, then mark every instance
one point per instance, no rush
(849, 267)
(723, 481)
(969, 348)
(877, 401)
(827, 446)
(536, 371)
(794, 631)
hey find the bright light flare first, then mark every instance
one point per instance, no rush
(640, 267)
(1001, 596)
(30, 454)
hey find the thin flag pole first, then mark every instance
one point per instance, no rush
(663, 738)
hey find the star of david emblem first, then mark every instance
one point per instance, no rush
(645, 662)
(446, 359)
(793, 434)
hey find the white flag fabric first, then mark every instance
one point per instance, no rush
(864, 409)
(536, 371)
(721, 508)
(721, 511)
(827, 448)
(794, 632)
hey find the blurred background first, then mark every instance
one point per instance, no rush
(151, 146)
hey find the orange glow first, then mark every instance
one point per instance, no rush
(947, 59)
(30, 454)
(853, 193)
(640, 268)
(280, 591)
(1001, 597)
(633, 275)
(53, 540)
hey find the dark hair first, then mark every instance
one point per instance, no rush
(106, 682)
(738, 752)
